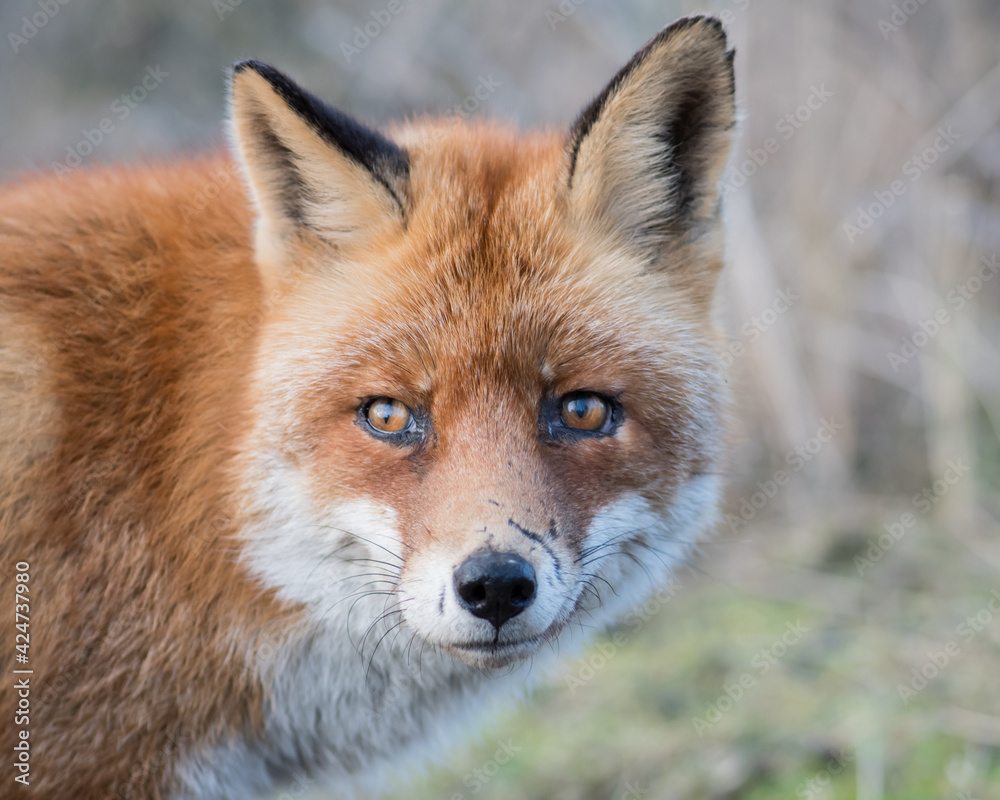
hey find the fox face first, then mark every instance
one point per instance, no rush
(487, 402)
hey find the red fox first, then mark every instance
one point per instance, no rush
(295, 481)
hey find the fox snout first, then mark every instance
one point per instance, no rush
(495, 587)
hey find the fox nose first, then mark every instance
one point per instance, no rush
(495, 586)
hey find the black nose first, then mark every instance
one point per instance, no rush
(495, 586)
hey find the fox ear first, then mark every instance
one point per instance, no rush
(646, 156)
(312, 170)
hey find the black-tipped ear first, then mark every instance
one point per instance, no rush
(312, 168)
(646, 156)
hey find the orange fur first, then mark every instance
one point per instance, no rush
(134, 318)
(151, 348)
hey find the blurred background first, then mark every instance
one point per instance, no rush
(840, 637)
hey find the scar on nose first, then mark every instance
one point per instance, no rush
(530, 534)
(494, 502)
(542, 541)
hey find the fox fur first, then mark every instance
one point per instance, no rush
(235, 582)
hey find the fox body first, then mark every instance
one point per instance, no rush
(303, 469)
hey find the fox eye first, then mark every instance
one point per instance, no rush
(584, 411)
(387, 415)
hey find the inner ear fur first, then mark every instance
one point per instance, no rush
(647, 155)
(312, 170)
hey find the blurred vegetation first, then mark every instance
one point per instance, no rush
(853, 342)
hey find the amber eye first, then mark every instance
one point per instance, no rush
(387, 415)
(584, 411)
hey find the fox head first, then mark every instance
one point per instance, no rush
(488, 401)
